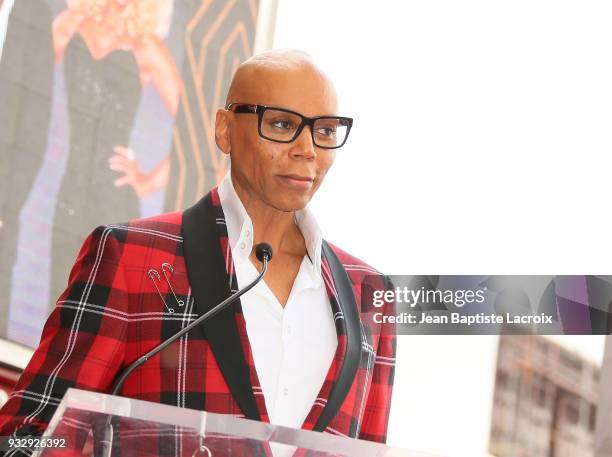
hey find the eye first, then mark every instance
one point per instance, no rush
(282, 124)
(326, 131)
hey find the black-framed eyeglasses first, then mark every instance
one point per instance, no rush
(284, 126)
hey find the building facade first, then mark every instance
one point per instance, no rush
(545, 400)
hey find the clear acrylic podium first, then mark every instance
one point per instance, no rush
(142, 428)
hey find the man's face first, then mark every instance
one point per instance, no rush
(284, 176)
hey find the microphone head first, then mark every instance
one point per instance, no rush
(263, 249)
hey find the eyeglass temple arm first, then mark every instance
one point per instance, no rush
(242, 108)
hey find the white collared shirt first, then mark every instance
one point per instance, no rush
(293, 346)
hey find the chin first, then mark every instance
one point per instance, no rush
(289, 203)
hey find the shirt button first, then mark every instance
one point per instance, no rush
(285, 391)
(248, 233)
(288, 330)
(242, 245)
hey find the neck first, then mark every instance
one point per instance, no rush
(271, 225)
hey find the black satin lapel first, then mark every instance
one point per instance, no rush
(348, 371)
(210, 285)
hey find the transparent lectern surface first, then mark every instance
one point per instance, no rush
(141, 428)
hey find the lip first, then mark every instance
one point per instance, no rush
(297, 181)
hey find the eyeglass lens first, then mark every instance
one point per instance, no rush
(282, 126)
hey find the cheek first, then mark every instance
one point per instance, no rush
(249, 152)
(263, 158)
(273, 152)
(325, 161)
(270, 157)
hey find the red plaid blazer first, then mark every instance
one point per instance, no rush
(134, 285)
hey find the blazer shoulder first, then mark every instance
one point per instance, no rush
(356, 267)
(167, 226)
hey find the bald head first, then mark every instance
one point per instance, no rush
(274, 78)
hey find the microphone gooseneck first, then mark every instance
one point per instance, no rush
(263, 251)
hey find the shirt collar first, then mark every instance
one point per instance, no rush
(240, 227)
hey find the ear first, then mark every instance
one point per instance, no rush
(222, 131)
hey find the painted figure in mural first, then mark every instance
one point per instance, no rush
(110, 50)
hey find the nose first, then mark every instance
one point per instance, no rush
(302, 146)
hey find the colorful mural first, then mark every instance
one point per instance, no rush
(106, 114)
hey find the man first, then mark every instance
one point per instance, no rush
(294, 351)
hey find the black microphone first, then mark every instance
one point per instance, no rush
(263, 252)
